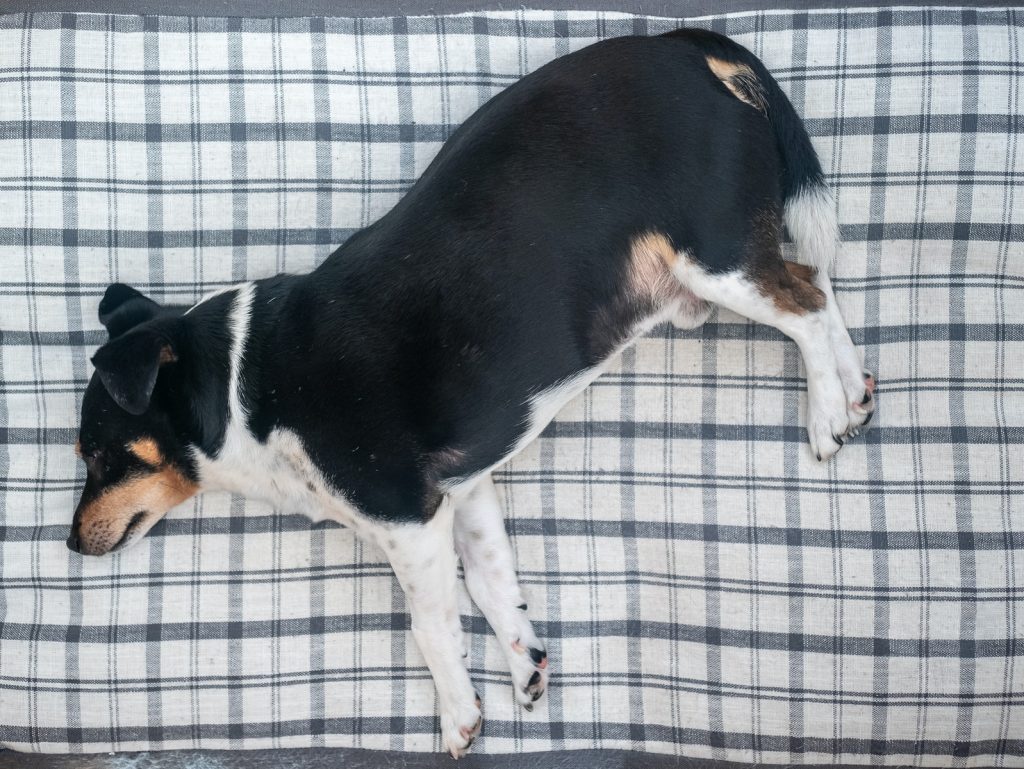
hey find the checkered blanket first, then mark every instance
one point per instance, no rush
(704, 587)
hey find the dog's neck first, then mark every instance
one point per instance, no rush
(200, 392)
(231, 455)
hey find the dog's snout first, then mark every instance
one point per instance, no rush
(74, 542)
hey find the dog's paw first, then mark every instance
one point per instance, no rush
(861, 401)
(460, 725)
(828, 427)
(530, 672)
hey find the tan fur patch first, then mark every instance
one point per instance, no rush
(740, 80)
(651, 258)
(104, 520)
(648, 285)
(782, 282)
(78, 448)
(801, 271)
(788, 288)
(147, 450)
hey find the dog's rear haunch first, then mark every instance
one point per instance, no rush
(637, 181)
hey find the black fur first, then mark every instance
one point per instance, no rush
(410, 355)
(122, 308)
(800, 167)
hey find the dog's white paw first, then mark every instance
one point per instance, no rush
(460, 725)
(858, 385)
(828, 425)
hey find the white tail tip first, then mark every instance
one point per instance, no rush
(810, 217)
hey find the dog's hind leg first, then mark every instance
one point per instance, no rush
(811, 220)
(858, 384)
(423, 557)
(763, 289)
(487, 558)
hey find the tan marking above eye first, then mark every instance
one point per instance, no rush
(147, 450)
(78, 448)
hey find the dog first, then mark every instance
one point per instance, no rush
(637, 181)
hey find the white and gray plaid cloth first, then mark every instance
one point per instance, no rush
(704, 587)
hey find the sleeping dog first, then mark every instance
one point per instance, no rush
(637, 181)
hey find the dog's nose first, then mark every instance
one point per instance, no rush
(74, 543)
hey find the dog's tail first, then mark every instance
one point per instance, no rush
(808, 207)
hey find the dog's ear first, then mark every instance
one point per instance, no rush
(123, 308)
(128, 365)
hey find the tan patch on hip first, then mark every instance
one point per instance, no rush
(648, 285)
(787, 284)
(651, 259)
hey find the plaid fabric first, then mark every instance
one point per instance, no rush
(703, 586)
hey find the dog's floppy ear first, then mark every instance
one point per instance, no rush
(128, 366)
(123, 308)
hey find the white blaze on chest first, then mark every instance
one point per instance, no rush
(278, 471)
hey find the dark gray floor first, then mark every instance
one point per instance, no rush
(258, 8)
(326, 758)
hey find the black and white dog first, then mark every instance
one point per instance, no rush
(637, 181)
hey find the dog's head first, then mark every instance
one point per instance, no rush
(139, 465)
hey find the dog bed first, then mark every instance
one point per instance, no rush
(705, 588)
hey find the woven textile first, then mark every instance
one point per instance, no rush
(704, 587)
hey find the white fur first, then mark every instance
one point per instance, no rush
(423, 557)
(827, 414)
(217, 292)
(238, 321)
(486, 553)
(848, 363)
(810, 216)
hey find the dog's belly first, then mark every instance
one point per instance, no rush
(686, 312)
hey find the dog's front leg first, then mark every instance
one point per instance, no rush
(486, 553)
(423, 557)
